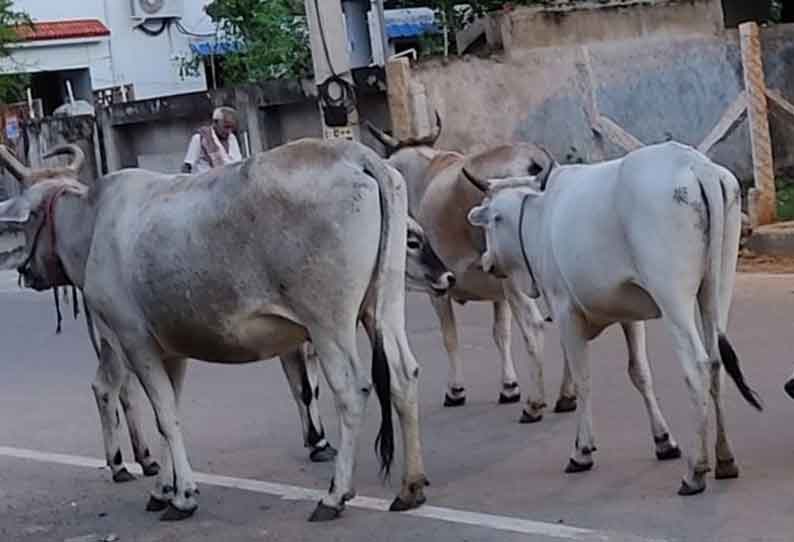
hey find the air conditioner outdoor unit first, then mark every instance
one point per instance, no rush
(143, 10)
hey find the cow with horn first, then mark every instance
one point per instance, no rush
(268, 293)
(657, 238)
(114, 383)
(439, 198)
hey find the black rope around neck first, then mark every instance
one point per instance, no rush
(521, 240)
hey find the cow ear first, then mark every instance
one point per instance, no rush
(14, 211)
(479, 216)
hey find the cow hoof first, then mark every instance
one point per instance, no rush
(153, 469)
(172, 513)
(509, 399)
(123, 476)
(726, 470)
(399, 505)
(156, 505)
(323, 512)
(574, 466)
(526, 417)
(323, 455)
(668, 454)
(688, 489)
(454, 401)
(565, 404)
(789, 387)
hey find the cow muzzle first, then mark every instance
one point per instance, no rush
(444, 283)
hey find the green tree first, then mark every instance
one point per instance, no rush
(272, 35)
(12, 85)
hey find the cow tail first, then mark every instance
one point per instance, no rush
(722, 233)
(388, 292)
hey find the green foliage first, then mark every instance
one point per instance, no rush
(10, 20)
(785, 198)
(12, 86)
(272, 33)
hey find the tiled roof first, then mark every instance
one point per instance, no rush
(61, 30)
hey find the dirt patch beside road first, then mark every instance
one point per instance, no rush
(750, 262)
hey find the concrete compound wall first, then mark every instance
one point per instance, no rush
(154, 134)
(661, 82)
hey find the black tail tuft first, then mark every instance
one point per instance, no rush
(731, 364)
(384, 443)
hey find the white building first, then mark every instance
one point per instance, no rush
(109, 45)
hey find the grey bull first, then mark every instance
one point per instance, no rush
(114, 384)
(439, 197)
(116, 387)
(241, 280)
(658, 238)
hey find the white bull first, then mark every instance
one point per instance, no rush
(653, 234)
(241, 280)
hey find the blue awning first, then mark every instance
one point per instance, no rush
(410, 22)
(215, 47)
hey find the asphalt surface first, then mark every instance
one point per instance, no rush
(492, 479)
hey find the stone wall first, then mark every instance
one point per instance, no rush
(154, 134)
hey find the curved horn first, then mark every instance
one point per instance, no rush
(70, 148)
(385, 139)
(479, 184)
(20, 172)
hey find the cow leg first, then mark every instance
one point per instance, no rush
(726, 463)
(566, 400)
(456, 393)
(351, 386)
(641, 376)
(574, 335)
(530, 322)
(162, 382)
(106, 388)
(405, 397)
(695, 363)
(132, 398)
(301, 370)
(502, 322)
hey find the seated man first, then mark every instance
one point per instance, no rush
(215, 145)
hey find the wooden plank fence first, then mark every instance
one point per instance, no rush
(751, 103)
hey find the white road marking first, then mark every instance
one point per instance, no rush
(288, 492)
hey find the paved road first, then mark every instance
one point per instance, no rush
(492, 479)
